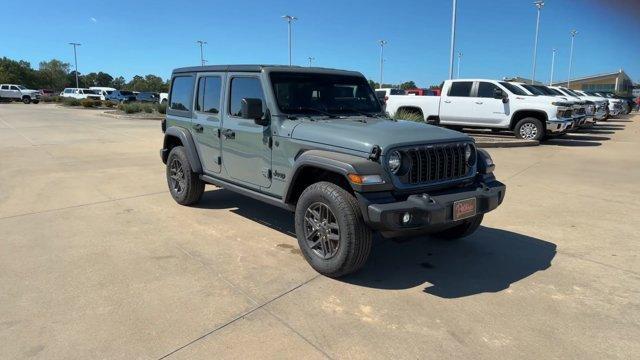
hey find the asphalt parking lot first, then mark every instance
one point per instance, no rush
(97, 261)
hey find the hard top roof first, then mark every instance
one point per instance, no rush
(260, 68)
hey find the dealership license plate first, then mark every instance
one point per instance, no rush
(463, 209)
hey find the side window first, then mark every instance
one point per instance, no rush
(244, 88)
(485, 89)
(5, 87)
(181, 92)
(460, 88)
(209, 94)
(14, 88)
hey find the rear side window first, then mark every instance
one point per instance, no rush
(181, 92)
(485, 89)
(5, 87)
(460, 88)
(209, 94)
(244, 88)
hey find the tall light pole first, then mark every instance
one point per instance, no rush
(459, 60)
(539, 4)
(553, 63)
(453, 38)
(75, 58)
(289, 20)
(382, 44)
(573, 34)
(311, 58)
(202, 43)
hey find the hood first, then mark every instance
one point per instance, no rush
(544, 99)
(362, 133)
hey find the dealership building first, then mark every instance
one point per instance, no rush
(616, 82)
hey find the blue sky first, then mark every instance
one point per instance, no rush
(496, 36)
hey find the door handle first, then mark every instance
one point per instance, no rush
(448, 101)
(479, 102)
(198, 128)
(229, 134)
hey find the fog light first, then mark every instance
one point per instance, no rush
(406, 218)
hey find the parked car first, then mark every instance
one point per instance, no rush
(482, 103)
(316, 142)
(46, 92)
(79, 93)
(103, 91)
(151, 97)
(582, 106)
(578, 106)
(615, 105)
(601, 104)
(13, 92)
(421, 92)
(121, 96)
(163, 97)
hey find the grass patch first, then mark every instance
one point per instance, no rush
(71, 102)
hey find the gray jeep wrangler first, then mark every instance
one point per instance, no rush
(316, 142)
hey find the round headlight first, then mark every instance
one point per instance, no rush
(470, 154)
(395, 161)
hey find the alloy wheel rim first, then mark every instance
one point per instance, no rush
(528, 131)
(176, 176)
(321, 230)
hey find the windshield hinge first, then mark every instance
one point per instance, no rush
(375, 153)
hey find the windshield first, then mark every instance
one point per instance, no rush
(572, 92)
(309, 93)
(533, 89)
(545, 90)
(22, 87)
(87, 91)
(514, 89)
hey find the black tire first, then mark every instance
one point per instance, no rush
(353, 236)
(36, 101)
(529, 128)
(185, 186)
(26, 100)
(466, 228)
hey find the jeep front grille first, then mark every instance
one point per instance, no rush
(430, 164)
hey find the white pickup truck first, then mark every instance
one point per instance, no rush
(491, 104)
(12, 92)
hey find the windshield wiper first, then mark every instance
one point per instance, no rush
(330, 115)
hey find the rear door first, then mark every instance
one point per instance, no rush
(487, 110)
(457, 105)
(14, 92)
(207, 120)
(246, 152)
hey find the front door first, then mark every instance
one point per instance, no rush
(246, 155)
(207, 120)
(487, 109)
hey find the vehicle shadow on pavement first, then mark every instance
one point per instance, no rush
(488, 261)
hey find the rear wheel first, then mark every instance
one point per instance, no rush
(466, 228)
(331, 231)
(529, 129)
(185, 186)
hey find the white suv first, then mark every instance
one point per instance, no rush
(78, 93)
(12, 92)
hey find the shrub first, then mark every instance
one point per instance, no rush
(148, 108)
(131, 108)
(109, 104)
(71, 102)
(88, 103)
(410, 115)
(48, 99)
(161, 108)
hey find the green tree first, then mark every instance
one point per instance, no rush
(104, 79)
(408, 85)
(53, 74)
(119, 83)
(17, 72)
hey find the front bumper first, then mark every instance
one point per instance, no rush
(559, 126)
(429, 212)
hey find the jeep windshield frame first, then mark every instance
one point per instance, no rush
(310, 93)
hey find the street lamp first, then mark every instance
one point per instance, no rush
(289, 20)
(539, 4)
(202, 43)
(459, 60)
(553, 63)
(573, 34)
(75, 58)
(382, 44)
(453, 38)
(311, 58)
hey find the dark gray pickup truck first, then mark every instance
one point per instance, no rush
(316, 142)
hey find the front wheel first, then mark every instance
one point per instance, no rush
(466, 228)
(331, 231)
(26, 100)
(529, 129)
(185, 186)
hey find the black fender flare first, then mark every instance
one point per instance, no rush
(187, 142)
(340, 163)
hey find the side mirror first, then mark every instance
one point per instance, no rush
(499, 94)
(252, 109)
